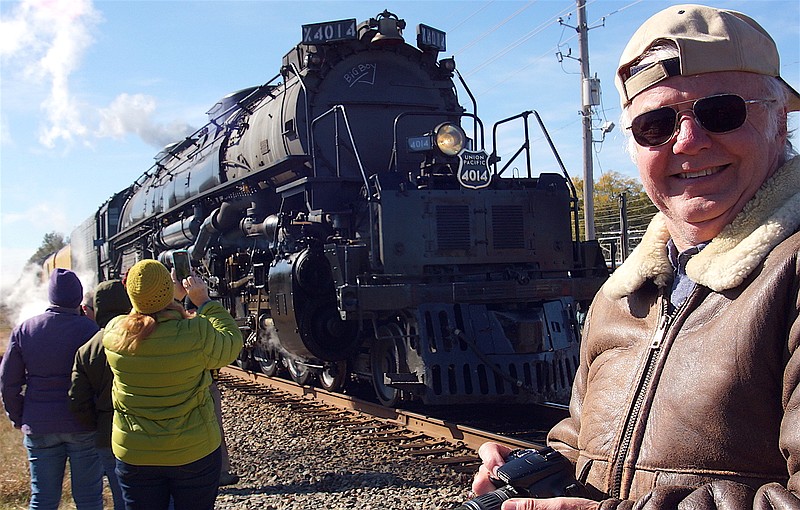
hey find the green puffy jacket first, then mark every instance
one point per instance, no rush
(163, 412)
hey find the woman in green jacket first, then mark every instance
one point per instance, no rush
(165, 434)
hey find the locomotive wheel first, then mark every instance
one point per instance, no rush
(298, 371)
(333, 376)
(387, 356)
(266, 359)
(245, 360)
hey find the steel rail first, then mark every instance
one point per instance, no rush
(434, 428)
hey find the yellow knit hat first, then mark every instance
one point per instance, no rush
(149, 286)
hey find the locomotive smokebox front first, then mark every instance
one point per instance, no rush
(304, 309)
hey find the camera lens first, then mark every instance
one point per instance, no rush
(490, 500)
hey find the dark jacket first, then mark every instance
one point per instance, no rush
(90, 394)
(39, 358)
(698, 408)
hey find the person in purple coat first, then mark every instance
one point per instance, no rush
(34, 383)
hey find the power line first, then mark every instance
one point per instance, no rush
(452, 29)
(494, 28)
(536, 31)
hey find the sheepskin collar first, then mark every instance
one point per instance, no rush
(771, 216)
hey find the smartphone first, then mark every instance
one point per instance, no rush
(180, 261)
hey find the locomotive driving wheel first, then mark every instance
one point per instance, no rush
(333, 376)
(245, 360)
(266, 358)
(387, 356)
(298, 371)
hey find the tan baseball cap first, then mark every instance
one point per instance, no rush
(709, 40)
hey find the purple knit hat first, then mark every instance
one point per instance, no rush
(65, 288)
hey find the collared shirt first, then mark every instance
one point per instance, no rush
(682, 285)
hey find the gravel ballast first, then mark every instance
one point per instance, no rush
(290, 461)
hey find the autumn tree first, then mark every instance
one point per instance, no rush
(51, 243)
(607, 192)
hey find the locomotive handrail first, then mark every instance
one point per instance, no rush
(576, 221)
(309, 130)
(341, 108)
(526, 146)
(474, 106)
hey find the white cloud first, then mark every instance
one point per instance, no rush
(14, 32)
(44, 40)
(50, 216)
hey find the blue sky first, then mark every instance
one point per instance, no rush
(91, 91)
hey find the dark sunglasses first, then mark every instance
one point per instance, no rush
(722, 113)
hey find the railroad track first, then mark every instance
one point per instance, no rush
(441, 440)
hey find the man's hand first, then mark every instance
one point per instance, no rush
(551, 504)
(493, 456)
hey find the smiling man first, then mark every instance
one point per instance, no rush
(687, 391)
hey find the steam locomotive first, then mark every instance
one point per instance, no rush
(349, 216)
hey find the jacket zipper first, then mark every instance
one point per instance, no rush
(665, 321)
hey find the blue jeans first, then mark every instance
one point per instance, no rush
(47, 456)
(193, 486)
(109, 468)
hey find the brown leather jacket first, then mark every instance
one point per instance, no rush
(698, 408)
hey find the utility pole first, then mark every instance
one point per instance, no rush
(589, 97)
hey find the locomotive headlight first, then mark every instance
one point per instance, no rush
(449, 138)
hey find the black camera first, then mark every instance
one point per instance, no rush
(531, 473)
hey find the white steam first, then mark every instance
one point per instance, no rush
(134, 114)
(28, 296)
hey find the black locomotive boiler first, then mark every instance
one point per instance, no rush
(349, 216)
